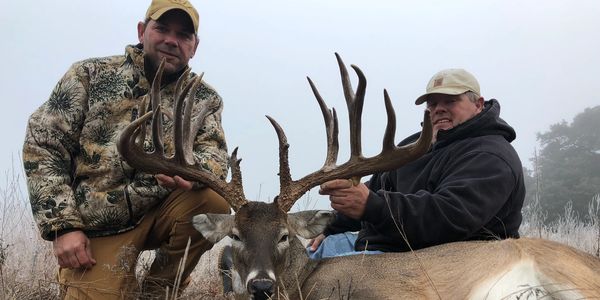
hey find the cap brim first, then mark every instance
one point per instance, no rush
(442, 90)
(157, 14)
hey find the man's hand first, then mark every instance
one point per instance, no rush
(73, 251)
(345, 197)
(314, 243)
(174, 182)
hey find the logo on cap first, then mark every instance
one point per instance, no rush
(181, 2)
(438, 82)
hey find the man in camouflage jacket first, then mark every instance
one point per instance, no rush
(99, 212)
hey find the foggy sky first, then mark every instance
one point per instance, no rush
(538, 58)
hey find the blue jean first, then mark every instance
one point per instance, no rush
(341, 244)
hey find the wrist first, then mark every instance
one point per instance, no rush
(62, 232)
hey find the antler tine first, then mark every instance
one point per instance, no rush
(331, 127)
(207, 107)
(354, 102)
(286, 198)
(180, 125)
(178, 86)
(415, 149)
(390, 128)
(422, 145)
(139, 142)
(285, 177)
(157, 140)
(183, 149)
(390, 157)
(235, 186)
(156, 162)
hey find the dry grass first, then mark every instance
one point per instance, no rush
(27, 265)
(28, 268)
(568, 229)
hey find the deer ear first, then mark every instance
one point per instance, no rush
(310, 223)
(213, 227)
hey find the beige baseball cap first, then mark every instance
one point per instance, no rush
(450, 82)
(159, 7)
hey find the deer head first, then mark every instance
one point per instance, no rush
(263, 233)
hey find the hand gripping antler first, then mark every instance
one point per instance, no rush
(391, 156)
(182, 163)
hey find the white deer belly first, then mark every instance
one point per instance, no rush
(521, 281)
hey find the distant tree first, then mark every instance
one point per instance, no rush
(568, 165)
(532, 181)
(530, 187)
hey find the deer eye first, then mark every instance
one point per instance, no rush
(234, 237)
(284, 238)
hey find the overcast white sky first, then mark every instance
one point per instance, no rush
(540, 59)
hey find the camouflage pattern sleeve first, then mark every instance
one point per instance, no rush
(210, 147)
(51, 143)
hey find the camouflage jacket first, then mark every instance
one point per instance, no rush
(75, 176)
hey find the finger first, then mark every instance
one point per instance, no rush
(165, 180)
(323, 188)
(64, 258)
(83, 259)
(340, 184)
(315, 245)
(317, 242)
(88, 250)
(340, 207)
(61, 262)
(336, 202)
(72, 262)
(341, 193)
(340, 200)
(333, 185)
(329, 184)
(312, 244)
(60, 255)
(182, 183)
(348, 183)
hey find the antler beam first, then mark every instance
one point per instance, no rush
(390, 157)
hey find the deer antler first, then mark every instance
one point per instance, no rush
(390, 157)
(182, 163)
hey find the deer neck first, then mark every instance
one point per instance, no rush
(297, 268)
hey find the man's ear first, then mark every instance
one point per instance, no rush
(195, 47)
(141, 27)
(480, 103)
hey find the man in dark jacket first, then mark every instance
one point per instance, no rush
(469, 186)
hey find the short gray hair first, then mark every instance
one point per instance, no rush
(472, 96)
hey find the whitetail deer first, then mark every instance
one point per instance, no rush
(269, 260)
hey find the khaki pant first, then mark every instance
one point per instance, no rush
(166, 228)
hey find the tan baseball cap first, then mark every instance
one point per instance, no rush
(159, 7)
(450, 82)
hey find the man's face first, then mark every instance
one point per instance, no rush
(448, 111)
(171, 37)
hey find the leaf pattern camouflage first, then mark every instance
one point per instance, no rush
(75, 176)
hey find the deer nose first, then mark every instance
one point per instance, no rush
(261, 288)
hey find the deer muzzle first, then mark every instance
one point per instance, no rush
(261, 288)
